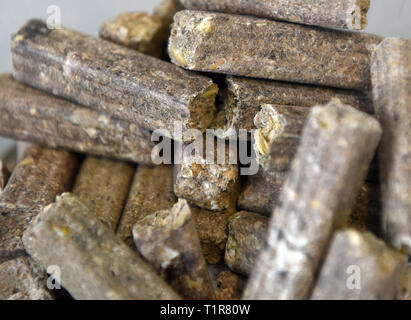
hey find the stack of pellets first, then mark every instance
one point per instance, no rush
(289, 81)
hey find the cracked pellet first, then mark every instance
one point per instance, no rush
(145, 33)
(243, 98)
(103, 186)
(212, 229)
(95, 264)
(258, 48)
(42, 175)
(169, 241)
(111, 78)
(230, 286)
(151, 191)
(358, 266)
(344, 14)
(32, 115)
(391, 77)
(247, 232)
(336, 148)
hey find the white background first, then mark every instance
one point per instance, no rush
(386, 18)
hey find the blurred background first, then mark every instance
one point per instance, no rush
(386, 18)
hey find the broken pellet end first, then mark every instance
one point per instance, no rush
(169, 241)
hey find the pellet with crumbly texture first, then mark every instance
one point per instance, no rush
(169, 241)
(23, 279)
(345, 14)
(32, 115)
(358, 266)
(42, 175)
(391, 77)
(151, 191)
(230, 286)
(209, 180)
(103, 186)
(247, 231)
(251, 47)
(95, 264)
(4, 175)
(337, 145)
(139, 31)
(212, 229)
(111, 78)
(243, 98)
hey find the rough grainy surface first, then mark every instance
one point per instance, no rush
(94, 263)
(169, 241)
(151, 191)
(375, 269)
(366, 213)
(103, 186)
(207, 182)
(212, 229)
(391, 76)
(346, 14)
(42, 175)
(32, 115)
(139, 31)
(247, 231)
(247, 46)
(37, 180)
(336, 148)
(23, 279)
(243, 98)
(111, 78)
(230, 286)
(167, 9)
(4, 175)
(404, 291)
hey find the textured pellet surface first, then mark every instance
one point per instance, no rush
(111, 78)
(251, 47)
(32, 115)
(95, 264)
(337, 145)
(346, 14)
(391, 74)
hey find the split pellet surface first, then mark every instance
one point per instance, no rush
(391, 76)
(346, 14)
(96, 264)
(337, 146)
(103, 186)
(169, 241)
(32, 115)
(251, 47)
(111, 78)
(243, 98)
